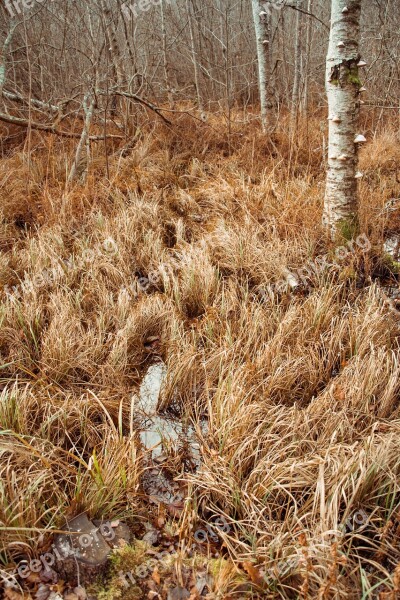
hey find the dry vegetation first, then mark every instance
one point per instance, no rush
(300, 389)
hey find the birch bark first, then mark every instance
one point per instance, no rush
(3, 55)
(343, 85)
(262, 26)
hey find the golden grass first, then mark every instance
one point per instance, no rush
(300, 389)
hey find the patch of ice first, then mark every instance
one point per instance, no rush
(150, 388)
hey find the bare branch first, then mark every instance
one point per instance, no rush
(52, 129)
(146, 103)
(33, 101)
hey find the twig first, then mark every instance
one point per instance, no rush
(305, 12)
(382, 106)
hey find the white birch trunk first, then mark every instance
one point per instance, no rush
(342, 85)
(3, 56)
(262, 28)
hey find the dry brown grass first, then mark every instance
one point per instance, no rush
(300, 389)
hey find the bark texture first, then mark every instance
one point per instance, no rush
(262, 28)
(194, 58)
(297, 63)
(84, 140)
(3, 56)
(342, 85)
(167, 76)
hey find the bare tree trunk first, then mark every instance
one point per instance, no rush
(263, 38)
(304, 103)
(112, 50)
(228, 74)
(89, 110)
(112, 42)
(3, 56)
(167, 77)
(194, 58)
(297, 63)
(343, 85)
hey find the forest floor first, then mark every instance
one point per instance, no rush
(176, 265)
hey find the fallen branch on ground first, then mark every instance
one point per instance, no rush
(52, 129)
(33, 101)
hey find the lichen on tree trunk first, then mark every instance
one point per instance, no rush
(342, 85)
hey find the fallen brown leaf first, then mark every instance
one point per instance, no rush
(156, 576)
(253, 573)
(160, 521)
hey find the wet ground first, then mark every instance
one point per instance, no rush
(162, 436)
(392, 247)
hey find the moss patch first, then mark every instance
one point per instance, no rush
(347, 229)
(121, 580)
(353, 76)
(391, 264)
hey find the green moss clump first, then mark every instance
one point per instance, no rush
(117, 584)
(348, 274)
(351, 72)
(391, 264)
(354, 78)
(215, 565)
(347, 229)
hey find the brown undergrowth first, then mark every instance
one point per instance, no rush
(300, 388)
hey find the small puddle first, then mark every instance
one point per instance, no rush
(161, 433)
(392, 247)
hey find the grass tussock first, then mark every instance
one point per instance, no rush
(174, 257)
